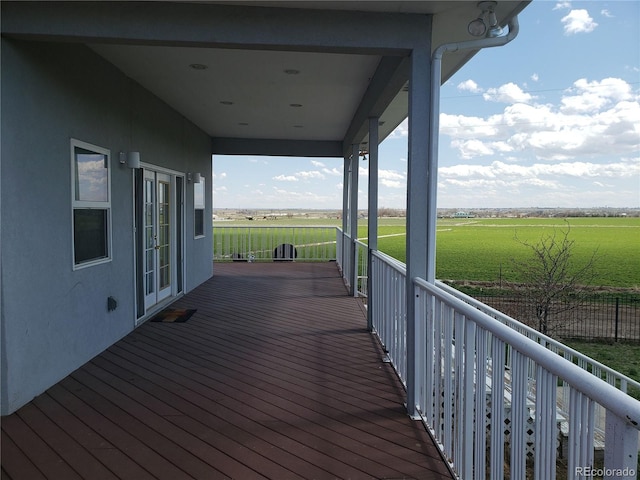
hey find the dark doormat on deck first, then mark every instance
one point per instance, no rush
(174, 315)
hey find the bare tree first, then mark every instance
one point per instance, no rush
(552, 282)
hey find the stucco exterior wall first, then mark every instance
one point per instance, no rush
(54, 319)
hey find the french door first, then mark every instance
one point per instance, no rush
(159, 229)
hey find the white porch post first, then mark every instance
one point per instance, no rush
(372, 226)
(353, 218)
(345, 209)
(417, 218)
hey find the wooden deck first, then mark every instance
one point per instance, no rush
(273, 377)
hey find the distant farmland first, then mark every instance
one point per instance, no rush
(483, 249)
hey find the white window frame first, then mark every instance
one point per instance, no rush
(199, 207)
(84, 204)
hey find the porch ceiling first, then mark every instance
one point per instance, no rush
(280, 77)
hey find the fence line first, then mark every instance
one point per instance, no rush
(268, 243)
(606, 317)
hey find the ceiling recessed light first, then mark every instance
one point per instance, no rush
(226, 102)
(298, 126)
(198, 66)
(243, 124)
(295, 105)
(291, 71)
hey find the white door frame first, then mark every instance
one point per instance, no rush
(154, 296)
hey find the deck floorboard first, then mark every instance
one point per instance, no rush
(274, 377)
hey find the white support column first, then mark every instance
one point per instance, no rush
(345, 208)
(353, 218)
(417, 216)
(372, 226)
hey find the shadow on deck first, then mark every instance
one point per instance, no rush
(275, 376)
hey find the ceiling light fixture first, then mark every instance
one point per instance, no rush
(291, 71)
(487, 23)
(198, 66)
(295, 105)
(226, 102)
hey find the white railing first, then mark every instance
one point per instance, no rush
(609, 375)
(267, 243)
(345, 255)
(346, 251)
(489, 393)
(389, 309)
(362, 252)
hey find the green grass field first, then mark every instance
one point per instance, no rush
(483, 249)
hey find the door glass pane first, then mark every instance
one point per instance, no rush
(164, 234)
(149, 240)
(149, 283)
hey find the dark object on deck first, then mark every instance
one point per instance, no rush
(285, 252)
(238, 257)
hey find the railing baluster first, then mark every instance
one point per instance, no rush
(466, 429)
(447, 376)
(497, 408)
(519, 415)
(545, 425)
(481, 399)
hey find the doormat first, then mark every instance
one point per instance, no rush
(174, 315)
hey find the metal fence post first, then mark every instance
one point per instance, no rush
(617, 316)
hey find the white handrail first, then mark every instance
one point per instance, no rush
(613, 399)
(471, 362)
(588, 363)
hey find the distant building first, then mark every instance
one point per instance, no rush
(462, 215)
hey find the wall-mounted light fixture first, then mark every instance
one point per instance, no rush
(195, 177)
(487, 23)
(130, 159)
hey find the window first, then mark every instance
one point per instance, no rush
(91, 204)
(198, 206)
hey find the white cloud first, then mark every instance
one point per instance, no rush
(469, 86)
(393, 183)
(316, 163)
(578, 21)
(335, 172)
(594, 118)
(461, 126)
(310, 174)
(535, 77)
(562, 5)
(390, 175)
(392, 179)
(507, 93)
(401, 130)
(500, 175)
(606, 13)
(286, 178)
(471, 148)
